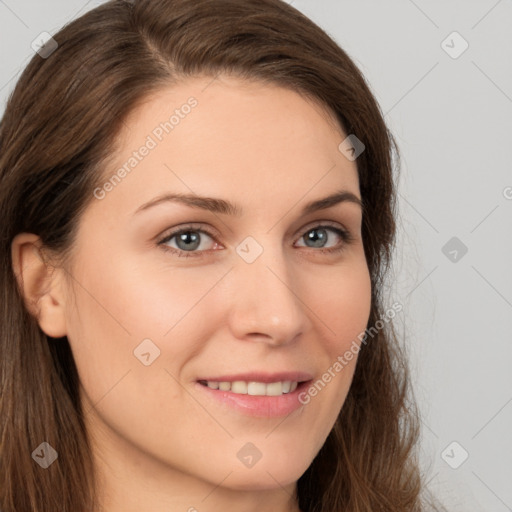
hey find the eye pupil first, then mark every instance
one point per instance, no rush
(188, 237)
(317, 236)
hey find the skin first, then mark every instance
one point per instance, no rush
(159, 444)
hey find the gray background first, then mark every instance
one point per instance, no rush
(452, 117)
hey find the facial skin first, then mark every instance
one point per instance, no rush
(160, 445)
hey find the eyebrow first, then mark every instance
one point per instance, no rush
(216, 205)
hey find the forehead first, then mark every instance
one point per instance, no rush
(228, 136)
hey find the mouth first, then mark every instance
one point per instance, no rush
(256, 394)
(253, 388)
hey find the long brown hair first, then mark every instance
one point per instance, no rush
(58, 131)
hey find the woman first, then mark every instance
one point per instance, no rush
(198, 206)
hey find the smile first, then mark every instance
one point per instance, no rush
(253, 388)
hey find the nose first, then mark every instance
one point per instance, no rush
(267, 301)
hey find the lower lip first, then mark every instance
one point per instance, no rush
(257, 406)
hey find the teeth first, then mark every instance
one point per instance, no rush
(274, 389)
(256, 388)
(224, 386)
(240, 387)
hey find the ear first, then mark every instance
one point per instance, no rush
(40, 283)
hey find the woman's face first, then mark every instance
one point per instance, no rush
(268, 293)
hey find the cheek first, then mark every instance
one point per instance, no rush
(126, 300)
(341, 301)
(117, 307)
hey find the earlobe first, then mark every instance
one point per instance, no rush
(40, 283)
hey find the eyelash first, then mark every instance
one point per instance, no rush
(345, 235)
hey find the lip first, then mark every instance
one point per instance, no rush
(257, 406)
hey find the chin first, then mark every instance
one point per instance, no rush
(265, 477)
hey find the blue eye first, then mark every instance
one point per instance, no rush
(187, 240)
(318, 236)
(190, 240)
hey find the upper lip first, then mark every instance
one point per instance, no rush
(261, 377)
